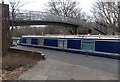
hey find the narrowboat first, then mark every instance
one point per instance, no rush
(107, 46)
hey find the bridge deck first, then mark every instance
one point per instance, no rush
(41, 22)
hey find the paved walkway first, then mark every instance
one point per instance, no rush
(78, 66)
(55, 70)
(104, 64)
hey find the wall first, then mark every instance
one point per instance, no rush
(74, 44)
(23, 40)
(107, 46)
(51, 42)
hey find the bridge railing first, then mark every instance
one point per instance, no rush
(37, 15)
(105, 29)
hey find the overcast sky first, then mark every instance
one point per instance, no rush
(39, 5)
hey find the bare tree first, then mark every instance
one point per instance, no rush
(68, 9)
(15, 5)
(106, 12)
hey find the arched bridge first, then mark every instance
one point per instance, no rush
(40, 22)
(42, 18)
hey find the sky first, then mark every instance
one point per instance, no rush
(39, 5)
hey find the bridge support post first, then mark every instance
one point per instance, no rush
(75, 30)
(4, 29)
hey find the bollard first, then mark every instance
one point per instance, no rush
(43, 56)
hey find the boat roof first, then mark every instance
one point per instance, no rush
(75, 36)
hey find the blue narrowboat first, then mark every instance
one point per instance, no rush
(107, 46)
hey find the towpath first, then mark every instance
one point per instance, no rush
(87, 68)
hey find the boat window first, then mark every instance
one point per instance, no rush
(88, 45)
(62, 43)
(41, 42)
(23, 40)
(34, 41)
(28, 40)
